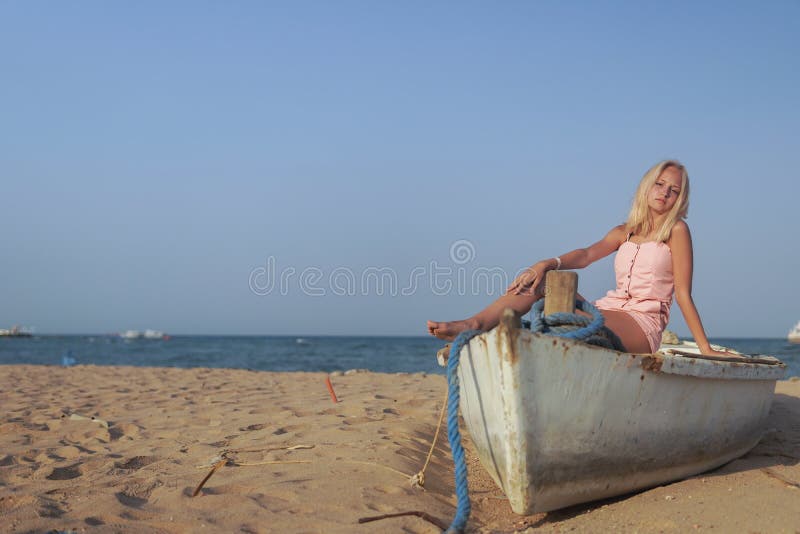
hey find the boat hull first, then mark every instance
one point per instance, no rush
(557, 422)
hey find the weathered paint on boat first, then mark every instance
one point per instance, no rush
(557, 422)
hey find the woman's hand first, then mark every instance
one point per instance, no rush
(711, 352)
(527, 282)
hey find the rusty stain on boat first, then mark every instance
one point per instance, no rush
(652, 363)
(508, 330)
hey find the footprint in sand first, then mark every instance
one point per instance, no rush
(65, 453)
(81, 449)
(390, 490)
(86, 432)
(66, 473)
(359, 420)
(49, 507)
(15, 427)
(130, 500)
(124, 430)
(287, 411)
(380, 507)
(226, 489)
(252, 427)
(414, 403)
(136, 463)
(289, 429)
(34, 456)
(24, 439)
(136, 492)
(272, 503)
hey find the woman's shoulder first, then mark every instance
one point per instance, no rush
(618, 234)
(680, 229)
(679, 234)
(620, 230)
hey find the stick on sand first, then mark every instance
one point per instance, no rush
(330, 389)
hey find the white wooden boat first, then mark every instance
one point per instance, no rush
(558, 422)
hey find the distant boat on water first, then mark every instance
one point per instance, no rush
(155, 334)
(15, 331)
(794, 334)
(147, 334)
(130, 334)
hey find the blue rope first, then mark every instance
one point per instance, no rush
(454, 436)
(575, 326)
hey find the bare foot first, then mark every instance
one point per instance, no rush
(449, 330)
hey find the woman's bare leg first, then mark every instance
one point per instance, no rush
(622, 324)
(485, 319)
(628, 331)
(626, 328)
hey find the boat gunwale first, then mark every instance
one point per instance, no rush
(686, 364)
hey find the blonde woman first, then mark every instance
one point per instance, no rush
(653, 262)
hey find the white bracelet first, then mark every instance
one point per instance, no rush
(558, 262)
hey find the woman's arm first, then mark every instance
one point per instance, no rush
(583, 257)
(528, 281)
(680, 243)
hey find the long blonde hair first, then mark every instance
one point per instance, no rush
(639, 221)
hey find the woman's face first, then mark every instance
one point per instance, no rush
(664, 192)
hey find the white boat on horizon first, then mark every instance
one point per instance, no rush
(130, 334)
(16, 331)
(154, 334)
(794, 334)
(147, 334)
(557, 422)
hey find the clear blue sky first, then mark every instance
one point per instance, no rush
(155, 155)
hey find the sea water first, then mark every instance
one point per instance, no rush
(283, 353)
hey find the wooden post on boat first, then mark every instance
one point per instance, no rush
(561, 289)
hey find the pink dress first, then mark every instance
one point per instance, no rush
(644, 287)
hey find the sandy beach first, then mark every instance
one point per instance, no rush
(122, 449)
